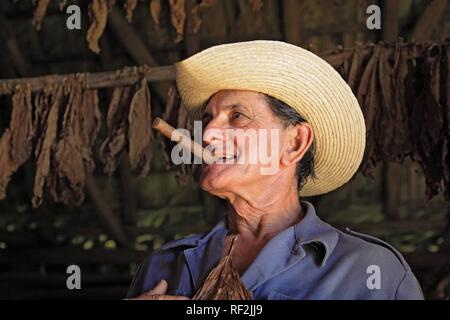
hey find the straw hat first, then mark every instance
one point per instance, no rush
(295, 76)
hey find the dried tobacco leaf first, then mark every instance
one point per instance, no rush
(69, 178)
(62, 4)
(223, 282)
(98, 12)
(194, 19)
(177, 17)
(117, 123)
(129, 6)
(39, 13)
(90, 121)
(22, 132)
(16, 143)
(155, 11)
(256, 4)
(427, 109)
(48, 107)
(367, 95)
(140, 134)
(207, 3)
(386, 125)
(8, 167)
(401, 144)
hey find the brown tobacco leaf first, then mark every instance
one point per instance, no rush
(368, 99)
(39, 13)
(68, 177)
(427, 109)
(195, 21)
(22, 132)
(117, 123)
(223, 283)
(256, 4)
(140, 134)
(48, 106)
(90, 121)
(177, 17)
(98, 12)
(129, 6)
(155, 11)
(385, 126)
(401, 145)
(16, 142)
(62, 4)
(207, 3)
(8, 167)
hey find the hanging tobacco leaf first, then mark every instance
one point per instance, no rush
(39, 13)
(155, 11)
(385, 126)
(98, 13)
(62, 4)
(17, 140)
(129, 6)
(177, 17)
(89, 119)
(117, 123)
(140, 134)
(368, 99)
(401, 145)
(428, 110)
(48, 105)
(68, 178)
(256, 4)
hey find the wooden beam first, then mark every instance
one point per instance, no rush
(431, 17)
(94, 80)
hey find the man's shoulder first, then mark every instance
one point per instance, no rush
(369, 250)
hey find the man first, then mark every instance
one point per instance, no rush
(282, 249)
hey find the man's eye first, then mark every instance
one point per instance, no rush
(236, 115)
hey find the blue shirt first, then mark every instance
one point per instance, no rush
(309, 260)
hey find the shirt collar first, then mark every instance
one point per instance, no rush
(322, 237)
(311, 230)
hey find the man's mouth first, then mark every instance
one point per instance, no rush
(227, 157)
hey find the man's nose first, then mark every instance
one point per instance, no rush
(213, 134)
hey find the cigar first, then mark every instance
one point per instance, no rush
(170, 132)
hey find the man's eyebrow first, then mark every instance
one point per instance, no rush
(230, 106)
(233, 106)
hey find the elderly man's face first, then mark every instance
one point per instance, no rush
(239, 113)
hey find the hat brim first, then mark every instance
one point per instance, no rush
(297, 77)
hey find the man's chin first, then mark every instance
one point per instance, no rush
(212, 185)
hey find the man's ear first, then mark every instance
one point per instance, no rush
(300, 138)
